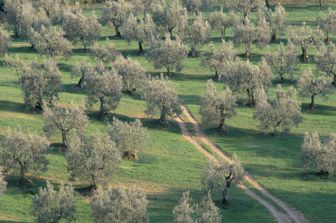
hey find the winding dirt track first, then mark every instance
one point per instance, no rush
(281, 211)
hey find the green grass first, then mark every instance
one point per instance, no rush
(170, 165)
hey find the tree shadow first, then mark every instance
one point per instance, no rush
(65, 67)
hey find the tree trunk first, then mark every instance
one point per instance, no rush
(130, 155)
(334, 82)
(22, 176)
(312, 102)
(247, 51)
(274, 37)
(216, 75)
(171, 33)
(282, 79)
(223, 33)
(221, 127)
(168, 71)
(64, 139)
(117, 31)
(304, 55)
(321, 4)
(163, 117)
(141, 51)
(102, 111)
(268, 5)
(80, 82)
(250, 97)
(225, 198)
(192, 51)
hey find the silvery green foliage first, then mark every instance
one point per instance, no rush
(245, 33)
(217, 106)
(141, 30)
(40, 83)
(105, 88)
(161, 98)
(167, 53)
(51, 205)
(278, 115)
(132, 73)
(119, 205)
(173, 17)
(143, 7)
(283, 60)
(184, 211)
(21, 152)
(19, 15)
(5, 41)
(115, 13)
(317, 156)
(219, 177)
(3, 183)
(50, 41)
(205, 212)
(84, 69)
(277, 21)
(221, 21)
(66, 120)
(192, 5)
(326, 60)
(130, 138)
(305, 36)
(81, 29)
(244, 77)
(105, 54)
(218, 58)
(94, 158)
(310, 86)
(263, 35)
(327, 22)
(244, 6)
(195, 33)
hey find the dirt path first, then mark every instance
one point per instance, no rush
(283, 213)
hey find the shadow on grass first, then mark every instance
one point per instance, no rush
(13, 107)
(319, 109)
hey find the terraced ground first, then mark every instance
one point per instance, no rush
(170, 164)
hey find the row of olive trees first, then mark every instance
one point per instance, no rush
(121, 205)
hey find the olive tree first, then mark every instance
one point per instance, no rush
(222, 21)
(196, 33)
(305, 37)
(317, 156)
(94, 158)
(40, 83)
(130, 138)
(217, 106)
(66, 120)
(167, 53)
(23, 152)
(188, 212)
(51, 205)
(247, 33)
(244, 77)
(311, 86)
(174, 15)
(244, 6)
(326, 60)
(278, 115)
(5, 41)
(141, 30)
(105, 54)
(19, 15)
(81, 29)
(219, 177)
(119, 205)
(115, 13)
(84, 69)
(50, 41)
(218, 58)
(105, 88)
(277, 21)
(132, 73)
(283, 60)
(161, 98)
(327, 23)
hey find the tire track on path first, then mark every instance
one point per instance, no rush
(286, 214)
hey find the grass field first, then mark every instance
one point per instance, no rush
(170, 165)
